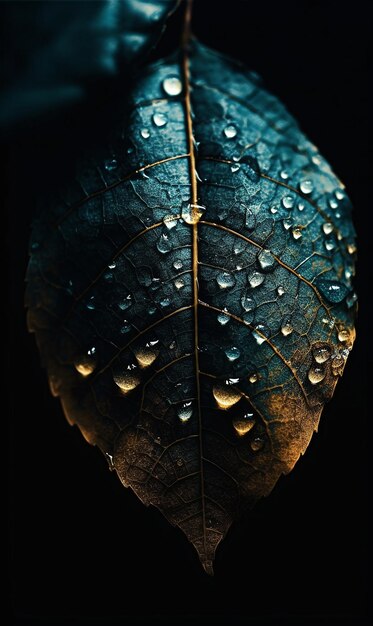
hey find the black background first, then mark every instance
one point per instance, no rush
(83, 549)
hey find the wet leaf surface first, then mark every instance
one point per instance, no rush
(191, 293)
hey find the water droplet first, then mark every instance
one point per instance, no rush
(333, 203)
(248, 304)
(126, 303)
(253, 378)
(159, 119)
(284, 175)
(185, 412)
(328, 322)
(351, 248)
(163, 244)
(146, 355)
(192, 213)
(232, 353)
(86, 364)
(288, 202)
(301, 206)
(280, 290)
(235, 168)
(329, 244)
(337, 214)
(339, 195)
(225, 280)
(297, 233)
(321, 354)
(273, 210)
(351, 300)
(110, 459)
(108, 276)
(223, 318)
(179, 283)
(164, 302)
(230, 131)
(172, 345)
(145, 133)
(226, 396)
(111, 165)
(316, 374)
(316, 159)
(266, 259)
(249, 219)
(339, 235)
(179, 462)
(178, 264)
(232, 381)
(112, 265)
(91, 303)
(343, 335)
(287, 223)
(306, 186)
(256, 279)
(259, 334)
(152, 310)
(126, 381)
(327, 228)
(172, 85)
(333, 291)
(244, 424)
(170, 221)
(126, 327)
(286, 328)
(337, 364)
(257, 444)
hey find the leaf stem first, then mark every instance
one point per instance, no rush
(187, 28)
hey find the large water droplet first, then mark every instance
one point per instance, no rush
(316, 374)
(266, 259)
(260, 333)
(223, 318)
(163, 244)
(256, 279)
(287, 222)
(226, 396)
(301, 206)
(126, 381)
(244, 424)
(286, 328)
(339, 195)
(232, 353)
(146, 355)
(257, 444)
(172, 85)
(126, 303)
(159, 119)
(343, 335)
(306, 186)
(170, 221)
(235, 167)
(179, 283)
(185, 412)
(329, 245)
(111, 164)
(333, 203)
(284, 175)
(192, 213)
(327, 228)
(225, 280)
(178, 264)
(351, 248)
(230, 131)
(248, 304)
(288, 202)
(273, 210)
(145, 133)
(321, 354)
(333, 290)
(253, 378)
(86, 364)
(126, 327)
(297, 233)
(112, 265)
(280, 290)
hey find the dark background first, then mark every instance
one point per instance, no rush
(86, 551)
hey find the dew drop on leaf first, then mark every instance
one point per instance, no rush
(172, 85)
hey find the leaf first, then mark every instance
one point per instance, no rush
(191, 295)
(61, 49)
